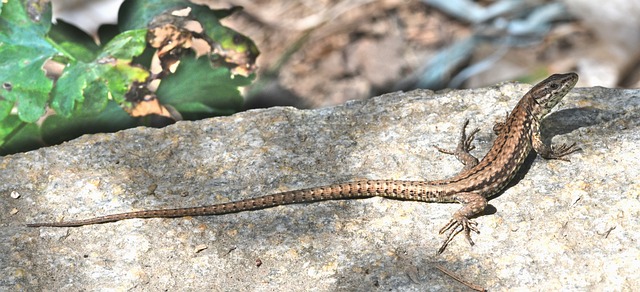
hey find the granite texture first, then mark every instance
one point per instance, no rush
(563, 226)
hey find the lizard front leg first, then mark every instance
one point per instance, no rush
(464, 146)
(499, 126)
(550, 152)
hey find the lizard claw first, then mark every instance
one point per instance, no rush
(465, 140)
(462, 151)
(559, 151)
(464, 145)
(455, 226)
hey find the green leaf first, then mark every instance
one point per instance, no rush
(23, 51)
(91, 84)
(197, 89)
(69, 89)
(5, 109)
(17, 136)
(73, 41)
(136, 14)
(119, 77)
(89, 94)
(232, 49)
(126, 45)
(10, 125)
(107, 32)
(210, 20)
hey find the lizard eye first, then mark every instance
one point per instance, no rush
(554, 86)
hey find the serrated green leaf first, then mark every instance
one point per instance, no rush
(120, 77)
(90, 85)
(196, 88)
(69, 89)
(25, 18)
(23, 51)
(126, 45)
(21, 72)
(88, 96)
(95, 97)
(233, 49)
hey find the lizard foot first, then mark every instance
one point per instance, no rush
(455, 226)
(462, 151)
(464, 145)
(559, 151)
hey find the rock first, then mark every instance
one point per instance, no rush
(562, 226)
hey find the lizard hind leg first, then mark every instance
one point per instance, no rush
(472, 204)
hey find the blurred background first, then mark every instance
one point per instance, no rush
(324, 52)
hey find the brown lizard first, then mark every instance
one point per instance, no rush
(517, 135)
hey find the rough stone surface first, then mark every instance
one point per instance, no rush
(563, 226)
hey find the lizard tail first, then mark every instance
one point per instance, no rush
(406, 190)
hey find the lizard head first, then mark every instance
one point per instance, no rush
(550, 91)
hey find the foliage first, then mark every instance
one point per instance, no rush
(170, 59)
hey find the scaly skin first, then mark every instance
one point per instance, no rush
(517, 136)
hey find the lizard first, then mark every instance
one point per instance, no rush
(479, 180)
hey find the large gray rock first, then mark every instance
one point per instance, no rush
(562, 226)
